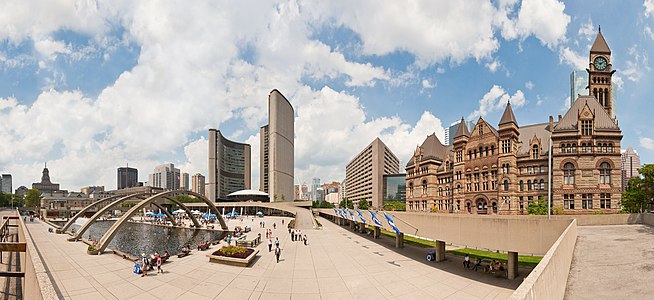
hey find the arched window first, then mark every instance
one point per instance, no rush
(522, 185)
(569, 173)
(458, 189)
(529, 185)
(469, 154)
(494, 205)
(542, 184)
(411, 189)
(605, 173)
(611, 147)
(583, 147)
(506, 185)
(534, 152)
(424, 187)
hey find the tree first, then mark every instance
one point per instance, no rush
(640, 191)
(33, 198)
(363, 204)
(394, 205)
(321, 204)
(346, 203)
(538, 208)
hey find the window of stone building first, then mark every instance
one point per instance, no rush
(569, 201)
(590, 147)
(481, 152)
(486, 151)
(522, 186)
(529, 185)
(469, 207)
(543, 169)
(506, 185)
(447, 191)
(458, 189)
(458, 204)
(481, 130)
(534, 152)
(469, 154)
(583, 147)
(587, 201)
(522, 203)
(568, 173)
(424, 187)
(605, 200)
(506, 146)
(530, 170)
(411, 189)
(610, 149)
(475, 153)
(494, 205)
(587, 127)
(542, 184)
(493, 150)
(605, 173)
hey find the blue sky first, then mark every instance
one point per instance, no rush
(90, 87)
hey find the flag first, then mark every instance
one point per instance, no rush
(361, 216)
(390, 222)
(374, 218)
(344, 213)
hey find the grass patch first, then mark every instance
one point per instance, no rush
(523, 260)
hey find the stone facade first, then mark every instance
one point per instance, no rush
(504, 170)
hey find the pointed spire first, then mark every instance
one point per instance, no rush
(508, 116)
(462, 130)
(600, 45)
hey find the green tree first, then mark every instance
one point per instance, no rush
(363, 204)
(538, 208)
(640, 191)
(346, 203)
(395, 205)
(321, 204)
(187, 199)
(33, 198)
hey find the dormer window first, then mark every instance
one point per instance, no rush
(481, 130)
(534, 152)
(586, 127)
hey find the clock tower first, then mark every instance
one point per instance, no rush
(600, 72)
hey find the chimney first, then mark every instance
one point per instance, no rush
(559, 118)
(551, 123)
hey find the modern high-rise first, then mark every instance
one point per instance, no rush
(165, 176)
(315, 184)
(394, 187)
(127, 178)
(197, 183)
(229, 166)
(6, 184)
(183, 183)
(277, 149)
(450, 131)
(630, 164)
(364, 173)
(578, 84)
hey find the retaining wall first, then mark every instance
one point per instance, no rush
(550, 277)
(36, 284)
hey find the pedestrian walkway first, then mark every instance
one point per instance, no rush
(336, 264)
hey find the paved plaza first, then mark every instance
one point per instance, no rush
(337, 264)
(611, 262)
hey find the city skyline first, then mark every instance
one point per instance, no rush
(344, 79)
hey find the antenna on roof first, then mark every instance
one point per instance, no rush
(599, 27)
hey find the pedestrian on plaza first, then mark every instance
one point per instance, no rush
(270, 245)
(144, 265)
(304, 238)
(282, 221)
(159, 262)
(264, 224)
(466, 261)
(274, 225)
(293, 235)
(278, 252)
(277, 242)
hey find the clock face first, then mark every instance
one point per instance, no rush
(600, 63)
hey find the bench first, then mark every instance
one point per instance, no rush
(248, 243)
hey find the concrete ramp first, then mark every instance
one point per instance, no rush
(612, 262)
(303, 218)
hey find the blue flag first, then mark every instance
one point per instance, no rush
(351, 214)
(337, 214)
(390, 222)
(374, 218)
(361, 216)
(344, 213)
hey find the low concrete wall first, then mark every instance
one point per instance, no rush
(647, 219)
(36, 284)
(550, 277)
(608, 219)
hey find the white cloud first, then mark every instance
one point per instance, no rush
(647, 143)
(637, 65)
(496, 99)
(566, 104)
(572, 58)
(493, 65)
(546, 20)
(649, 7)
(587, 30)
(440, 70)
(649, 32)
(529, 85)
(427, 85)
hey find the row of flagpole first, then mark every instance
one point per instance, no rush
(345, 212)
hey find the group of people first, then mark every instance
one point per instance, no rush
(296, 236)
(495, 265)
(145, 264)
(269, 233)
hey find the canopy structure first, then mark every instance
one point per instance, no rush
(179, 211)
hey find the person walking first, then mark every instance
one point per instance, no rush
(277, 242)
(144, 263)
(293, 235)
(278, 252)
(304, 239)
(274, 225)
(270, 245)
(466, 261)
(159, 262)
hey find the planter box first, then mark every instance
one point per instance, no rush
(241, 262)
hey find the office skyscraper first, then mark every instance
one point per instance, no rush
(277, 149)
(165, 176)
(198, 183)
(364, 173)
(630, 163)
(229, 166)
(127, 177)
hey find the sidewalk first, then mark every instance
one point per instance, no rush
(336, 264)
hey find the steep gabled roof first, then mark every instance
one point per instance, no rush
(602, 119)
(508, 116)
(600, 44)
(432, 148)
(528, 132)
(462, 130)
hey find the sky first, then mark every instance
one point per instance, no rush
(89, 86)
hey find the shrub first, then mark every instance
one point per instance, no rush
(597, 213)
(90, 248)
(232, 250)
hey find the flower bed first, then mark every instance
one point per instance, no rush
(233, 255)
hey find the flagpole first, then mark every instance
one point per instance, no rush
(549, 180)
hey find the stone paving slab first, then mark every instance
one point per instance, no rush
(336, 264)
